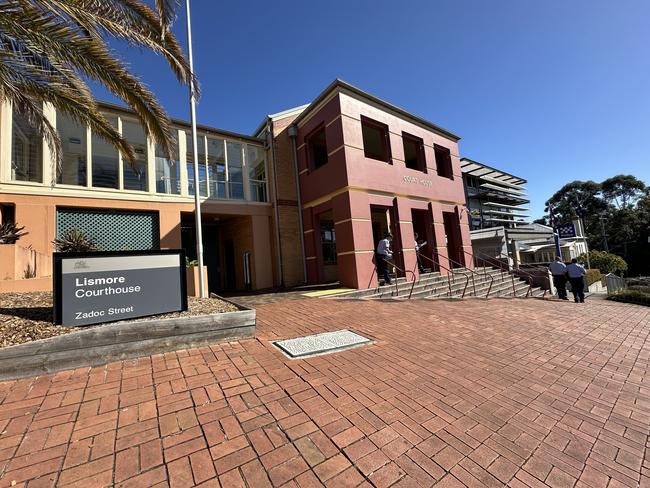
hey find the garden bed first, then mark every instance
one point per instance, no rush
(32, 345)
(26, 317)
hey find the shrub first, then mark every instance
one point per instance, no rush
(10, 232)
(592, 276)
(190, 264)
(604, 261)
(641, 288)
(74, 240)
(632, 296)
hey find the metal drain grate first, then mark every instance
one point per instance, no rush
(321, 343)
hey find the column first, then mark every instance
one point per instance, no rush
(354, 244)
(440, 250)
(406, 234)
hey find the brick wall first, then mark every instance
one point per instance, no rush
(290, 238)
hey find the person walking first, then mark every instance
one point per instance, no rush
(558, 270)
(576, 274)
(384, 253)
(419, 245)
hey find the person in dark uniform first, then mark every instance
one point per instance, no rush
(558, 270)
(383, 255)
(577, 279)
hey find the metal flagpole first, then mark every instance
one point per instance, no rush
(197, 190)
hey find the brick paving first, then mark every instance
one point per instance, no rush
(505, 392)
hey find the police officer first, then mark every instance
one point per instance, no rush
(383, 255)
(558, 270)
(576, 277)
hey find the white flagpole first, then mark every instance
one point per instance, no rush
(197, 190)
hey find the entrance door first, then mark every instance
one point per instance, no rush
(423, 227)
(454, 240)
(211, 256)
(229, 257)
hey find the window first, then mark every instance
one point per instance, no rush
(235, 170)
(200, 142)
(168, 173)
(217, 167)
(256, 173)
(73, 140)
(26, 151)
(414, 152)
(7, 213)
(328, 241)
(375, 140)
(317, 147)
(443, 162)
(135, 173)
(105, 160)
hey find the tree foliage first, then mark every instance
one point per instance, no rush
(616, 213)
(50, 48)
(604, 261)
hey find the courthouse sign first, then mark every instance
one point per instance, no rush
(91, 288)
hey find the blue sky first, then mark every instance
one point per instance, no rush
(551, 91)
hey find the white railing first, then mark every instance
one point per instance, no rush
(614, 283)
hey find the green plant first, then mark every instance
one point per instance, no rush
(632, 296)
(592, 276)
(641, 288)
(10, 232)
(74, 240)
(604, 261)
(190, 264)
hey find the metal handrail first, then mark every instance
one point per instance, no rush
(396, 283)
(529, 277)
(450, 271)
(498, 264)
(465, 268)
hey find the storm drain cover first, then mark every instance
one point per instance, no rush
(321, 343)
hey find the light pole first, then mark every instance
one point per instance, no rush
(602, 229)
(556, 236)
(197, 190)
(581, 215)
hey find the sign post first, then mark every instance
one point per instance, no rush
(97, 287)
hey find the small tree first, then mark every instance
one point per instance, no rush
(73, 240)
(10, 232)
(604, 261)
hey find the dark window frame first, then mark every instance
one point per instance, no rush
(328, 225)
(444, 168)
(311, 154)
(374, 124)
(421, 160)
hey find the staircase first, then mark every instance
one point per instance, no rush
(462, 284)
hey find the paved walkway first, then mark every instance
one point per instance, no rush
(468, 393)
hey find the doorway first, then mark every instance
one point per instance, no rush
(211, 248)
(383, 220)
(423, 227)
(454, 239)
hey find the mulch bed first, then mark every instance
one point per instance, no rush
(26, 317)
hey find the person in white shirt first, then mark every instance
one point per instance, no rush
(558, 270)
(577, 279)
(384, 254)
(419, 245)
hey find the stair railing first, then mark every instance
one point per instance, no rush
(481, 262)
(435, 263)
(497, 261)
(453, 272)
(389, 263)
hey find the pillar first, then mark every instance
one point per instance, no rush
(354, 244)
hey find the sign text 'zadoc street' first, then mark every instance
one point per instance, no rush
(92, 288)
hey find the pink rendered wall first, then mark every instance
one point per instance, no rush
(350, 183)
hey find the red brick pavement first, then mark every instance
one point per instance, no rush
(523, 393)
